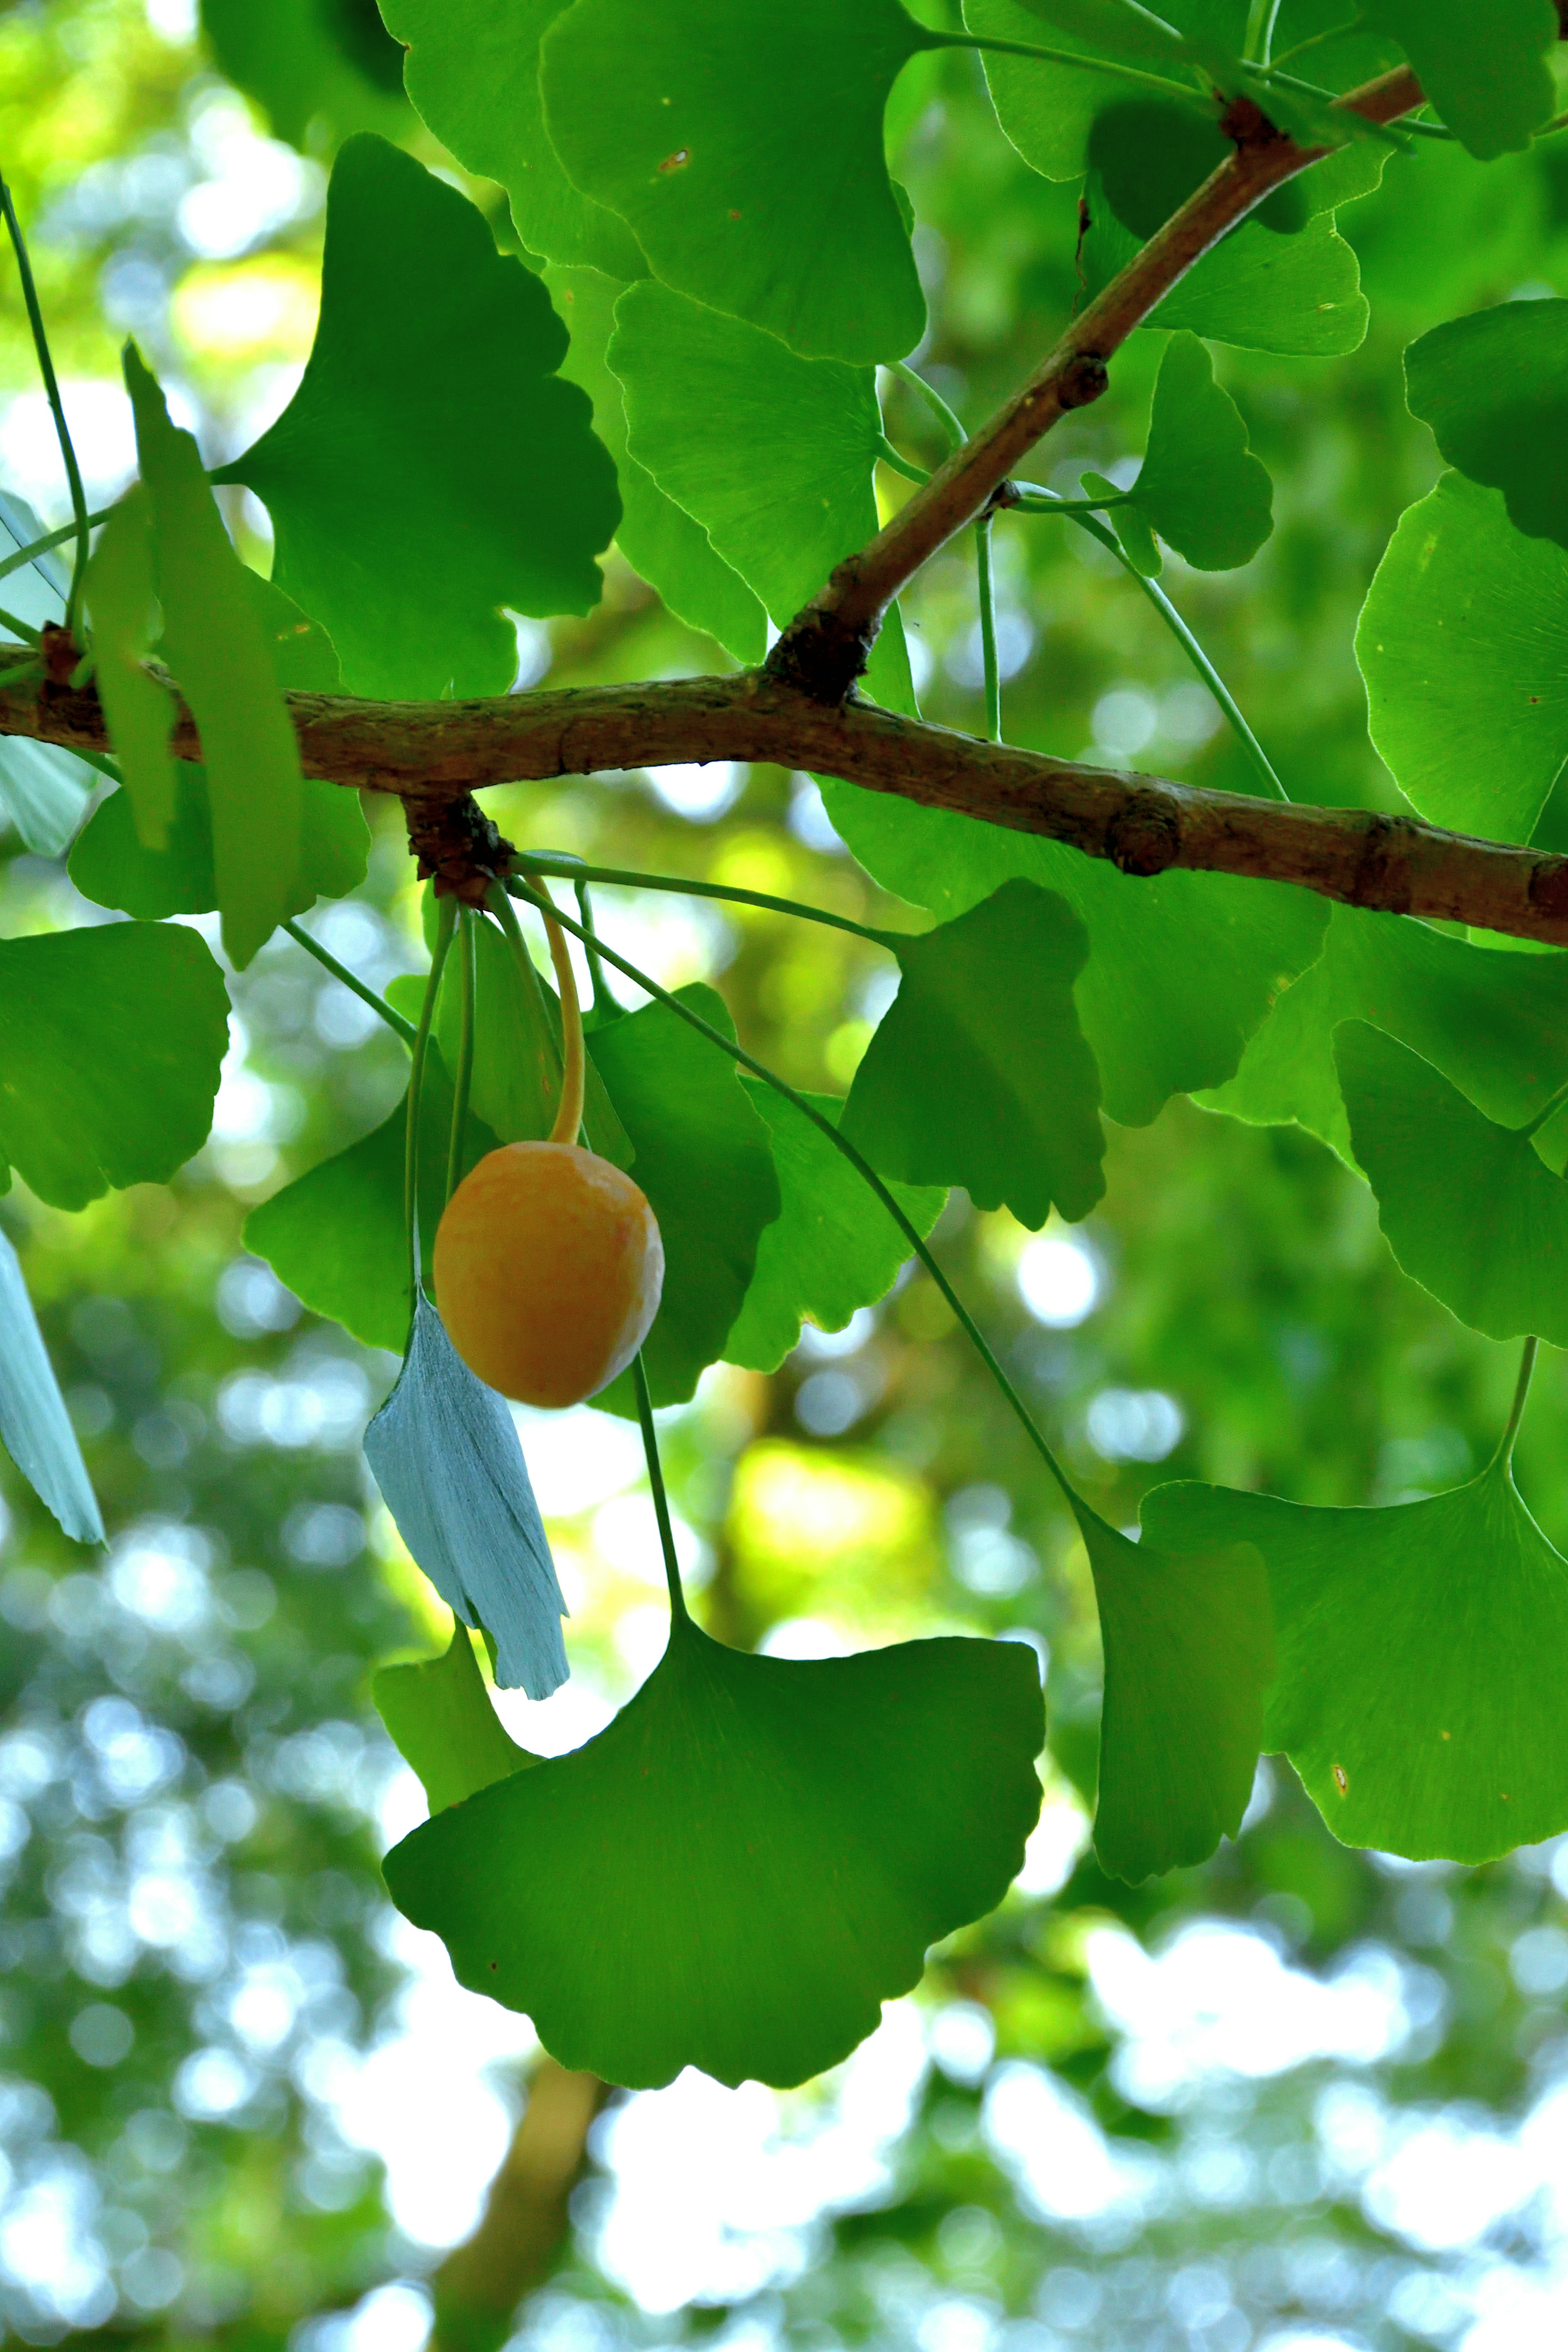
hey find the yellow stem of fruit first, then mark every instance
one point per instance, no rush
(569, 1117)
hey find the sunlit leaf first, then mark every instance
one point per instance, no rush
(657, 536)
(978, 1073)
(318, 69)
(741, 142)
(1485, 71)
(1200, 486)
(1181, 969)
(432, 467)
(1422, 1650)
(473, 73)
(34, 1427)
(1188, 1638)
(220, 651)
(1492, 388)
(140, 712)
(832, 1247)
(1463, 643)
(752, 1857)
(443, 1451)
(704, 1161)
(43, 789)
(1264, 293)
(440, 1720)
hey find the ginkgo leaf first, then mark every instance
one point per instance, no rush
(140, 711)
(1200, 486)
(1422, 1652)
(657, 536)
(831, 1249)
(1181, 968)
(34, 1427)
(978, 1073)
(1491, 386)
(1492, 1024)
(439, 1717)
(1470, 1209)
(754, 1856)
(443, 1449)
(515, 1089)
(1188, 1637)
(704, 1161)
(783, 479)
(219, 647)
(43, 790)
(741, 143)
(335, 1235)
(432, 467)
(319, 69)
(112, 1040)
(1463, 644)
(472, 72)
(1487, 74)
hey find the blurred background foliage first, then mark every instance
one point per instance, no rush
(1299, 2099)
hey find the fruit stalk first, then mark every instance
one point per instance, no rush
(568, 1114)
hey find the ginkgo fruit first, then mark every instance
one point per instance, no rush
(548, 1267)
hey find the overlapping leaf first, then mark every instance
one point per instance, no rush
(318, 69)
(1485, 71)
(443, 1451)
(43, 790)
(110, 1043)
(34, 1427)
(741, 143)
(978, 1073)
(832, 1247)
(515, 1084)
(752, 1857)
(1200, 486)
(1181, 969)
(473, 73)
(1265, 293)
(441, 1722)
(782, 477)
(1422, 1650)
(1494, 389)
(432, 467)
(657, 536)
(703, 1160)
(1493, 1024)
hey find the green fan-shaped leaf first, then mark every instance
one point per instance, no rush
(110, 865)
(703, 1158)
(657, 537)
(752, 1857)
(1295, 294)
(782, 477)
(318, 69)
(1200, 486)
(516, 1085)
(1494, 1025)
(473, 73)
(439, 1717)
(121, 602)
(1423, 1653)
(978, 1073)
(1470, 1209)
(1047, 110)
(1463, 643)
(110, 1043)
(741, 143)
(35, 1425)
(1485, 70)
(1188, 1637)
(432, 467)
(1181, 969)
(220, 649)
(1494, 389)
(832, 1247)
(335, 1235)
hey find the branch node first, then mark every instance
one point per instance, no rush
(1382, 877)
(820, 655)
(1248, 128)
(1549, 888)
(1145, 837)
(458, 847)
(1082, 381)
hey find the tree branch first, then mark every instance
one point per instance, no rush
(432, 755)
(824, 647)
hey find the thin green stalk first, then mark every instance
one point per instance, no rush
(51, 386)
(1548, 1111)
(447, 913)
(23, 629)
(986, 587)
(656, 1480)
(1503, 1458)
(869, 1175)
(1042, 503)
(1313, 41)
(37, 547)
(1112, 66)
(952, 431)
(606, 1005)
(889, 457)
(1390, 136)
(378, 1004)
(468, 926)
(1261, 19)
(571, 869)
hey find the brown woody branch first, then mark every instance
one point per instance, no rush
(826, 646)
(433, 754)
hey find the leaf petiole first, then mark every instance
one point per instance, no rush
(919, 475)
(37, 547)
(378, 1004)
(986, 587)
(1112, 66)
(677, 1607)
(446, 919)
(573, 869)
(463, 1077)
(80, 525)
(952, 431)
(1503, 1458)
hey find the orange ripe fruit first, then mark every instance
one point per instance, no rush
(548, 1268)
